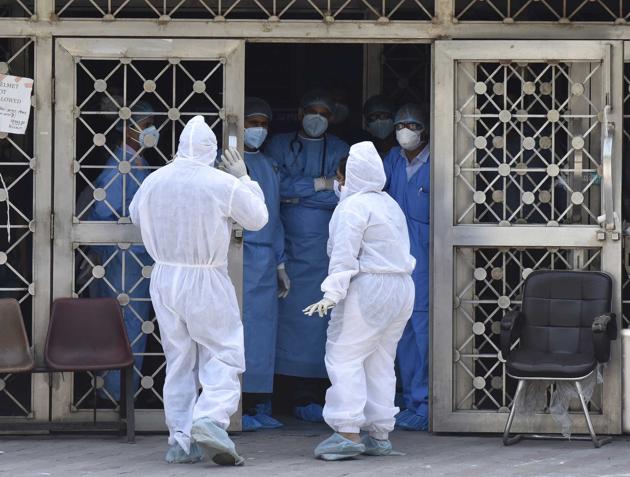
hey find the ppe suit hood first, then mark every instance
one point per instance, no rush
(197, 142)
(364, 170)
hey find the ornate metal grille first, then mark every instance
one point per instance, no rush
(17, 163)
(272, 10)
(528, 143)
(489, 283)
(18, 8)
(561, 11)
(113, 97)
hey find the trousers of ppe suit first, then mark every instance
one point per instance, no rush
(203, 330)
(360, 354)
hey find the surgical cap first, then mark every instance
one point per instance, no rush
(317, 98)
(141, 110)
(410, 113)
(379, 104)
(257, 107)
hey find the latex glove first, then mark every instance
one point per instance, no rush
(284, 283)
(323, 183)
(232, 162)
(322, 307)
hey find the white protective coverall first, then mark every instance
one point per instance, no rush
(184, 211)
(369, 278)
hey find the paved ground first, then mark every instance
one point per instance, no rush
(288, 451)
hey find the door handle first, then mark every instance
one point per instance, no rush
(232, 127)
(609, 220)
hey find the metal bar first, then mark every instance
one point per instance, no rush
(507, 440)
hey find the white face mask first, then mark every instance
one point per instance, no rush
(408, 139)
(337, 188)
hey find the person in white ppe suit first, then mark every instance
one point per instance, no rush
(185, 212)
(370, 290)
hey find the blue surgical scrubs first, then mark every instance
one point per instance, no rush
(408, 183)
(263, 252)
(305, 215)
(123, 268)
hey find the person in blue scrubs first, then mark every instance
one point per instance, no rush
(378, 114)
(265, 276)
(407, 168)
(308, 159)
(121, 177)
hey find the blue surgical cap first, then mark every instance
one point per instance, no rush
(140, 110)
(411, 113)
(317, 98)
(379, 104)
(257, 107)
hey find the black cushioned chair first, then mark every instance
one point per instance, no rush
(565, 329)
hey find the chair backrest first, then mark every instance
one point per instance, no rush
(559, 308)
(15, 351)
(87, 334)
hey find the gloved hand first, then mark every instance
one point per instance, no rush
(322, 307)
(323, 183)
(284, 283)
(233, 163)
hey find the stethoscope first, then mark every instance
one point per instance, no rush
(296, 139)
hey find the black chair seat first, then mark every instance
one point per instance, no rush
(532, 364)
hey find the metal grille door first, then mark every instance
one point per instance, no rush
(103, 89)
(527, 162)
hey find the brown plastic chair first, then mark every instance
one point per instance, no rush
(88, 334)
(15, 352)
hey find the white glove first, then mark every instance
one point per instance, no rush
(233, 163)
(284, 283)
(323, 183)
(322, 307)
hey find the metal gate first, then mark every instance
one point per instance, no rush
(101, 85)
(527, 162)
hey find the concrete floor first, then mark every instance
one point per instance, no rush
(288, 451)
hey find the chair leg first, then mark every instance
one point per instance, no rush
(596, 441)
(122, 404)
(94, 397)
(507, 440)
(129, 405)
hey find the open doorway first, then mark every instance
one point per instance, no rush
(350, 73)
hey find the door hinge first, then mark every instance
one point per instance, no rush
(52, 226)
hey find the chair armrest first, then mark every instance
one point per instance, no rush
(510, 329)
(604, 331)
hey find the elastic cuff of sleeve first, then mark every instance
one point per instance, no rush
(332, 297)
(244, 178)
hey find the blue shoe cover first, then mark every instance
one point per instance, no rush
(337, 447)
(215, 443)
(267, 422)
(176, 455)
(376, 447)
(250, 424)
(264, 407)
(410, 421)
(311, 412)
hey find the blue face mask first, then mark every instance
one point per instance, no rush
(254, 137)
(381, 128)
(314, 125)
(149, 137)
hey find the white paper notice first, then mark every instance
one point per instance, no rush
(15, 103)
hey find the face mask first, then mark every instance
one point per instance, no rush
(314, 125)
(148, 137)
(254, 137)
(337, 188)
(408, 139)
(381, 128)
(341, 113)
